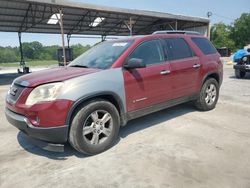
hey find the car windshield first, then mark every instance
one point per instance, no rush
(101, 56)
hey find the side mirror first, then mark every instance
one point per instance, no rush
(134, 63)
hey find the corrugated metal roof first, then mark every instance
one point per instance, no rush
(32, 16)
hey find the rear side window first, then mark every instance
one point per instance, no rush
(150, 52)
(177, 48)
(205, 45)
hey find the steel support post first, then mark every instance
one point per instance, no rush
(68, 39)
(62, 33)
(22, 62)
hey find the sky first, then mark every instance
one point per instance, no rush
(222, 11)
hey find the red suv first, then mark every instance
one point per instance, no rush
(86, 102)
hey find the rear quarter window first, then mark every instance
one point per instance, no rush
(205, 45)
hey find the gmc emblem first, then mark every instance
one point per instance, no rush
(13, 91)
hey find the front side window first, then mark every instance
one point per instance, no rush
(150, 52)
(177, 48)
(101, 56)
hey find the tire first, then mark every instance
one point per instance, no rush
(95, 127)
(239, 73)
(208, 96)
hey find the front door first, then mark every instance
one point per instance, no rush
(147, 86)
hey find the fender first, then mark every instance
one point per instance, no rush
(98, 95)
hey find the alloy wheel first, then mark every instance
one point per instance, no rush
(211, 94)
(97, 127)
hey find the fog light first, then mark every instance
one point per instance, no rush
(36, 122)
(33, 123)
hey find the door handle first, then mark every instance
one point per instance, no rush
(164, 72)
(196, 65)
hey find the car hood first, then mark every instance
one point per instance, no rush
(52, 75)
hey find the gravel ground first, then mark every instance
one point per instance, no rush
(177, 147)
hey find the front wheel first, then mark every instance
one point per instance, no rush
(208, 96)
(94, 127)
(239, 73)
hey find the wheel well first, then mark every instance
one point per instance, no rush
(107, 97)
(112, 100)
(213, 75)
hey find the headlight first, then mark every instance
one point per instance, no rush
(43, 93)
(244, 59)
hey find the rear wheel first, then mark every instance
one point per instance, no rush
(208, 96)
(95, 127)
(240, 74)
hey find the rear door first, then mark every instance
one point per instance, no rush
(147, 86)
(185, 66)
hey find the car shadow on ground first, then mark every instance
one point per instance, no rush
(132, 127)
(28, 144)
(7, 79)
(155, 118)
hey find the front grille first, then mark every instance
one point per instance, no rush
(14, 93)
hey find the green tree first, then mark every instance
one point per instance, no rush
(240, 30)
(78, 49)
(32, 50)
(49, 53)
(36, 51)
(220, 36)
(8, 54)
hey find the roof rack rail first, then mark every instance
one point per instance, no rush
(177, 32)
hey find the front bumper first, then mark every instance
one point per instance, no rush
(244, 67)
(53, 134)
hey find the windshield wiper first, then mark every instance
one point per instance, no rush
(82, 66)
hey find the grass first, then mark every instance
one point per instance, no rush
(31, 63)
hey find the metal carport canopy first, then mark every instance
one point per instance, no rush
(31, 16)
